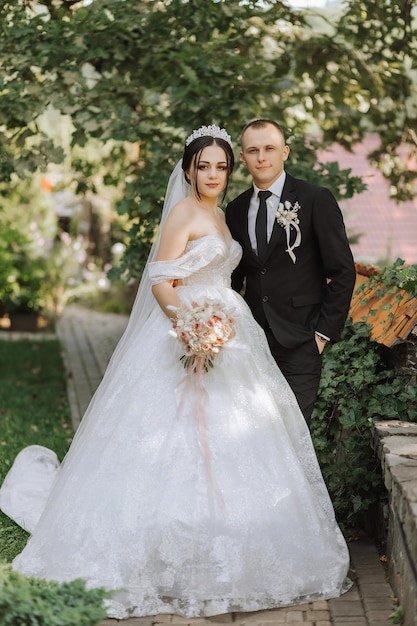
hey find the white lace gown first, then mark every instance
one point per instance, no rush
(135, 506)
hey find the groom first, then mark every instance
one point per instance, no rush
(297, 271)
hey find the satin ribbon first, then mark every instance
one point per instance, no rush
(297, 239)
(193, 385)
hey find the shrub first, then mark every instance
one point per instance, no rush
(357, 387)
(37, 602)
(21, 276)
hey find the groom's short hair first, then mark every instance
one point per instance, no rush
(260, 124)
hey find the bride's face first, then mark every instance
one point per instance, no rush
(212, 173)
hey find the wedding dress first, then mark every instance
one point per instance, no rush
(141, 505)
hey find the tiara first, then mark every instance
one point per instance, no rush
(209, 131)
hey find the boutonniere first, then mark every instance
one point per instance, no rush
(287, 218)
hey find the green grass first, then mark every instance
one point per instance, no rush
(33, 410)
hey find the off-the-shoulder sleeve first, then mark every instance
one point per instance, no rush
(190, 262)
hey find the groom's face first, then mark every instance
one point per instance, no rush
(264, 153)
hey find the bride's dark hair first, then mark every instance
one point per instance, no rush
(192, 154)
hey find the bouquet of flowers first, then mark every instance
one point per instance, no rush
(202, 328)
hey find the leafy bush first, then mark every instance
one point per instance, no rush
(22, 272)
(6, 270)
(394, 277)
(357, 387)
(37, 602)
(38, 276)
(28, 226)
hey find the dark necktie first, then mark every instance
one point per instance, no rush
(261, 225)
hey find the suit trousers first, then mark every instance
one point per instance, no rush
(301, 366)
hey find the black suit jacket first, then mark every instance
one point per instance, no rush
(312, 294)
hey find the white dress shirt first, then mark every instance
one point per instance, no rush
(272, 206)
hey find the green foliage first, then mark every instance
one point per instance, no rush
(33, 410)
(387, 290)
(6, 267)
(21, 276)
(392, 278)
(134, 74)
(37, 602)
(359, 77)
(26, 228)
(357, 388)
(132, 78)
(397, 617)
(37, 267)
(341, 424)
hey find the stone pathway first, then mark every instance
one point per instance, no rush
(88, 340)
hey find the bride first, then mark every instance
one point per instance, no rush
(191, 486)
